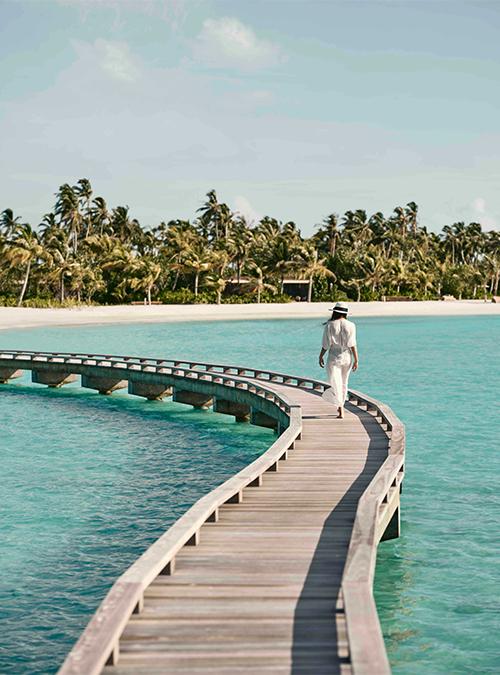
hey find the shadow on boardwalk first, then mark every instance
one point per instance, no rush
(318, 645)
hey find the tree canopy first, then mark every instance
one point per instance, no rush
(85, 251)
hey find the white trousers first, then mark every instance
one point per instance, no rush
(338, 377)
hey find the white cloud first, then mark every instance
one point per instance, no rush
(227, 42)
(160, 152)
(114, 59)
(243, 207)
(483, 215)
(479, 205)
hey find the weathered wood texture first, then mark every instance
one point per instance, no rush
(262, 590)
(271, 572)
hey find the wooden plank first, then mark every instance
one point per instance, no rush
(260, 590)
(189, 661)
(246, 669)
(206, 669)
(213, 631)
(207, 591)
(235, 607)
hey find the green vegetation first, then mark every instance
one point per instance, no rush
(85, 252)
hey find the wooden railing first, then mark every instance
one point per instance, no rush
(377, 507)
(99, 643)
(188, 364)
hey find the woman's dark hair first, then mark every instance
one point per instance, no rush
(335, 316)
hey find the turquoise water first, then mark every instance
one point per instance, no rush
(436, 587)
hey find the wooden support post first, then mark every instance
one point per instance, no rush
(393, 529)
(52, 378)
(153, 392)
(241, 411)
(257, 482)
(194, 398)
(114, 655)
(260, 419)
(213, 517)
(194, 540)
(169, 568)
(236, 498)
(140, 605)
(104, 385)
(7, 374)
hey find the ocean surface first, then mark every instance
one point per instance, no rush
(89, 481)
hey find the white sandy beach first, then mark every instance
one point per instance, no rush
(14, 317)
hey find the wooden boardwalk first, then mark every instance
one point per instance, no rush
(260, 593)
(271, 572)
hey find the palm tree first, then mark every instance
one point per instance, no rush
(267, 229)
(440, 268)
(392, 239)
(24, 249)
(474, 243)
(218, 278)
(492, 258)
(256, 280)
(402, 217)
(197, 260)
(450, 241)
(68, 210)
(120, 223)
(374, 266)
(238, 244)
(424, 280)
(48, 226)
(411, 212)
(456, 240)
(492, 273)
(84, 191)
(356, 231)
(476, 278)
(400, 273)
(85, 280)
(327, 236)
(216, 218)
(99, 215)
(310, 265)
(146, 272)
(178, 240)
(8, 223)
(219, 266)
(378, 227)
(357, 284)
(60, 265)
(278, 251)
(86, 248)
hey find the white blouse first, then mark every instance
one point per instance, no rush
(338, 338)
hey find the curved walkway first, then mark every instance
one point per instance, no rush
(271, 572)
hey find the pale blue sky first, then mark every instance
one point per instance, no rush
(290, 109)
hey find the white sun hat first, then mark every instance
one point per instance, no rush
(340, 308)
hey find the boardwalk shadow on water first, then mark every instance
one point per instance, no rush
(89, 482)
(318, 646)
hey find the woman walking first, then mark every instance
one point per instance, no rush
(339, 340)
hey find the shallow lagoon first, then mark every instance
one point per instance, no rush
(79, 467)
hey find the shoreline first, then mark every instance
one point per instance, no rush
(23, 317)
